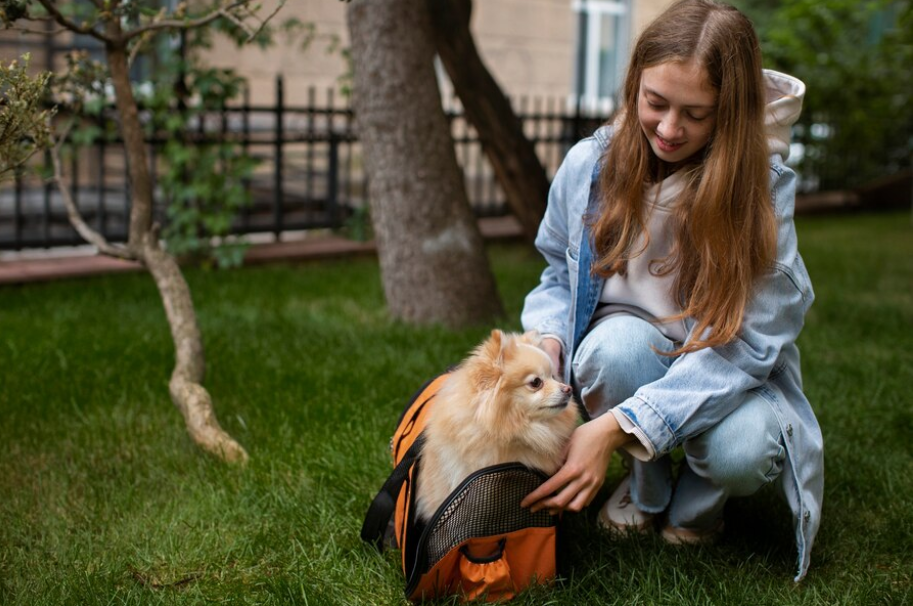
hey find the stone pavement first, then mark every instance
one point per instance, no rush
(54, 264)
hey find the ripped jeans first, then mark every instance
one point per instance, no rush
(736, 457)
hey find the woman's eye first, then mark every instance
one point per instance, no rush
(536, 383)
(698, 118)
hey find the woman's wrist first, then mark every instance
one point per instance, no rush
(615, 436)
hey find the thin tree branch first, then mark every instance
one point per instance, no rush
(137, 47)
(15, 167)
(239, 23)
(71, 25)
(221, 12)
(90, 235)
(263, 23)
(38, 32)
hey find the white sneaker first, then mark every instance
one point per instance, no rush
(619, 514)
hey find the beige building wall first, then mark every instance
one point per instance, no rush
(643, 12)
(530, 47)
(320, 64)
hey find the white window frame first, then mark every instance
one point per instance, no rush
(595, 10)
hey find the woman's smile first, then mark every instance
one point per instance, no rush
(667, 146)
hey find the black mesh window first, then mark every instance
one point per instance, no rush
(486, 504)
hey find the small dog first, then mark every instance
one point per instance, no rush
(500, 405)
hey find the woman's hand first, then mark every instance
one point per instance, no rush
(575, 485)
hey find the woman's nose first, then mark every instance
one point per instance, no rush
(670, 126)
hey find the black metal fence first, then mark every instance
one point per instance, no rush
(309, 173)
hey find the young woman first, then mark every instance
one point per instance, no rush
(674, 291)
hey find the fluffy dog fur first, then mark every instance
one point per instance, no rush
(500, 405)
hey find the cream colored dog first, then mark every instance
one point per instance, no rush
(502, 404)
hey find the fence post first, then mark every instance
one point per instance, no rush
(46, 216)
(311, 140)
(245, 150)
(17, 210)
(101, 218)
(278, 159)
(333, 168)
(74, 180)
(349, 141)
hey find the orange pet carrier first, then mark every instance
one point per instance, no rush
(479, 543)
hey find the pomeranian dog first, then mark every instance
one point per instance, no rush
(502, 404)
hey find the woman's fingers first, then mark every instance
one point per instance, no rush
(539, 498)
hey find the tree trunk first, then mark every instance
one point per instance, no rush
(432, 257)
(134, 145)
(510, 153)
(187, 393)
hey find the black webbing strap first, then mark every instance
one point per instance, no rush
(379, 513)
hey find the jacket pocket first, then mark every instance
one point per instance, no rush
(798, 276)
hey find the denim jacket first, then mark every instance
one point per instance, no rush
(702, 387)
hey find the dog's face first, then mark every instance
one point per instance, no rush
(501, 405)
(518, 397)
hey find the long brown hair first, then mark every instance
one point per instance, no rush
(724, 224)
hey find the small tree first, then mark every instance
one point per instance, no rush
(123, 26)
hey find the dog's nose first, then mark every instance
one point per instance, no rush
(566, 388)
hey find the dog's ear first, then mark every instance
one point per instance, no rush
(509, 344)
(496, 338)
(491, 350)
(492, 344)
(485, 363)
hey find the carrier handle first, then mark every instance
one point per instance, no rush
(384, 504)
(494, 557)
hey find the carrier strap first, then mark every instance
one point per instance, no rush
(382, 507)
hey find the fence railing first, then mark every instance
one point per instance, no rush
(309, 173)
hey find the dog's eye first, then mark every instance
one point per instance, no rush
(536, 383)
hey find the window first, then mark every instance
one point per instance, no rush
(602, 50)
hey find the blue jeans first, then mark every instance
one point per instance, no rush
(735, 457)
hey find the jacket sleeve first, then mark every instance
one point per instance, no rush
(547, 307)
(701, 388)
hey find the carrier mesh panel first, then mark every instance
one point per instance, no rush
(487, 505)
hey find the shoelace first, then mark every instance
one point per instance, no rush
(625, 500)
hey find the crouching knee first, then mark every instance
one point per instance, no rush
(743, 452)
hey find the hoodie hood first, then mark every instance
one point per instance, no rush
(784, 96)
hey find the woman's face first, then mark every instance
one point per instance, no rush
(676, 106)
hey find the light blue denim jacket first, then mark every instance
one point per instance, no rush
(700, 388)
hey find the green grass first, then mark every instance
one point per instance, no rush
(104, 500)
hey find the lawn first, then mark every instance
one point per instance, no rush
(104, 499)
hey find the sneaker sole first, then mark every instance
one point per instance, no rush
(623, 529)
(684, 536)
